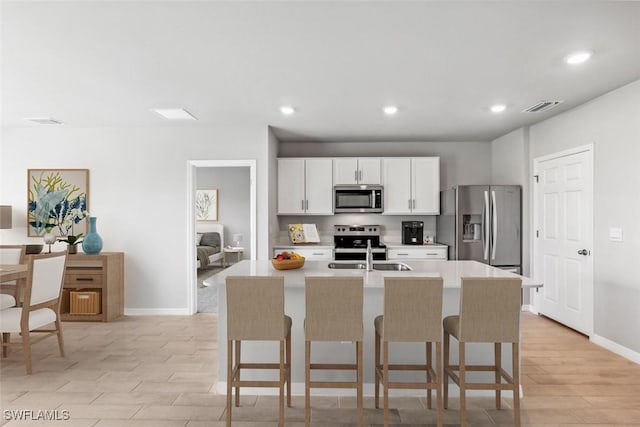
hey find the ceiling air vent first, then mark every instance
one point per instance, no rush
(43, 120)
(542, 106)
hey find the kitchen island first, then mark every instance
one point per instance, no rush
(253, 351)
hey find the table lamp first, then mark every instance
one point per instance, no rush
(237, 239)
(5, 217)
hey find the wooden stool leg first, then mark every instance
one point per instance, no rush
(429, 379)
(282, 381)
(229, 379)
(359, 384)
(288, 360)
(439, 382)
(498, 362)
(307, 381)
(376, 364)
(385, 380)
(238, 343)
(463, 385)
(445, 376)
(516, 382)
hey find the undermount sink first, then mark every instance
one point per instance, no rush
(392, 266)
(348, 265)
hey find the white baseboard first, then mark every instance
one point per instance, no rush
(616, 348)
(297, 389)
(529, 308)
(157, 312)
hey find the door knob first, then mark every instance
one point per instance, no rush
(583, 252)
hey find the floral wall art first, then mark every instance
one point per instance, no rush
(58, 200)
(207, 205)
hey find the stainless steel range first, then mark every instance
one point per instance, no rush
(351, 242)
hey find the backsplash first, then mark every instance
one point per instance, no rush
(390, 224)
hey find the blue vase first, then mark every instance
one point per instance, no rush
(92, 242)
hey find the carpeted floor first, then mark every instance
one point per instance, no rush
(207, 295)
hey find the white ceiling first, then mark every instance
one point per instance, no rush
(105, 64)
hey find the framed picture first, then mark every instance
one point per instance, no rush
(207, 205)
(57, 201)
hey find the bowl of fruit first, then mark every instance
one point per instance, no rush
(286, 260)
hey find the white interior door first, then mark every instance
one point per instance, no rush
(564, 237)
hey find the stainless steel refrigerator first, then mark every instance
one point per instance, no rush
(482, 223)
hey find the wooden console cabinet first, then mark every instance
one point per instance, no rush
(102, 273)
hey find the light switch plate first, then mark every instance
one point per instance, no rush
(615, 234)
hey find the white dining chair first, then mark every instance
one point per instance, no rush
(40, 308)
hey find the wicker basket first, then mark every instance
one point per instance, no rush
(287, 264)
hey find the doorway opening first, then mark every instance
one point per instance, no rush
(234, 217)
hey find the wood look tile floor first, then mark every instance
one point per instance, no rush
(161, 372)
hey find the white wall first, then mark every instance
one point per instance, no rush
(138, 191)
(510, 166)
(233, 200)
(612, 123)
(460, 162)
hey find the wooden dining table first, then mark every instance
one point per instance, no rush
(11, 272)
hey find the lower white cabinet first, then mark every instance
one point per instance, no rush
(422, 252)
(311, 254)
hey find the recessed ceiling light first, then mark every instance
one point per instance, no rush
(578, 57)
(174, 113)
(498, 108)
(390, 110)
(43, 120)
(287, 110)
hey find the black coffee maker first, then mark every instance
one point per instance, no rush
(412, 232)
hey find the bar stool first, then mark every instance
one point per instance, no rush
(412, 313)
(333, 313)
(255, 312)
(489, 313)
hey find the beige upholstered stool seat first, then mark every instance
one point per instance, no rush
(489, 313)
(451, 325)
(255, 312)
(412, 314)
(334, 307)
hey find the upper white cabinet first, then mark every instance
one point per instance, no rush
(351, 170)
(411, 186)
(305, 186)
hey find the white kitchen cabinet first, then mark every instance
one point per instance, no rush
(419, 252)
(310, 254)
(305, 186)
(411, 186)
(351, 170)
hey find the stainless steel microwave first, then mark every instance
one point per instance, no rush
(357, 198)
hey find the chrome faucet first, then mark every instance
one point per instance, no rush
(369, 258)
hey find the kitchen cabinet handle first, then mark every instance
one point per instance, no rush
(414, 203)
(409, 204)
(431, 253)
(355, 175)
(403, 254)
(302, 205)
(84, 279)
(317, 253)
(306, 205)
(360, 175)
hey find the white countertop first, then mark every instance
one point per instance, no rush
(320, 245)
(400, 246)
(450, 271)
